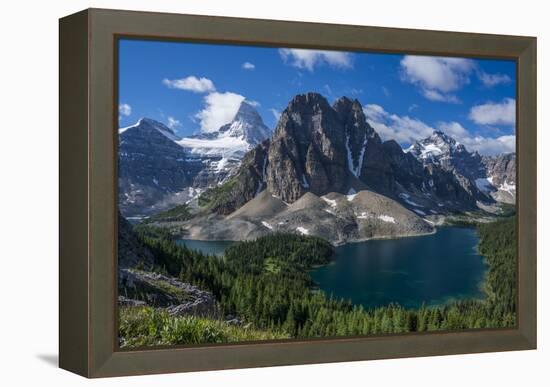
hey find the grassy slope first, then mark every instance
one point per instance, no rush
(145, 326)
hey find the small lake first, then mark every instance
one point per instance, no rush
(431, 269)
(206, 247)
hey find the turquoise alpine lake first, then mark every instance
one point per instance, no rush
(430, 269)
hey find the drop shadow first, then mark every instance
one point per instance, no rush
(49, 358)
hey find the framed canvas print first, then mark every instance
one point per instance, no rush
(241, 193)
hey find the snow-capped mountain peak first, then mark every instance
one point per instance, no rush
(246, 125)
(147, 124)
(436, 146)
(233, 139)
(491, 175)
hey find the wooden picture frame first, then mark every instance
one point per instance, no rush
(88, 242)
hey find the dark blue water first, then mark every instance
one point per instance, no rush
(432, 269)
(207, 247)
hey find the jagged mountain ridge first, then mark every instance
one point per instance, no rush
(492, 175)
(320, 149)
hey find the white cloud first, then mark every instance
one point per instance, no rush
(437, 77)
(490, 80)
(491, 146)
(191, 83)
(434, 95)
(124, 109)
(484, 145)
(220, 109)
(491, 113)
(251, 102)
(402, 129)
(248, 66)
(309, 59)
(453, 129)
(276, 113)
(173, 123)
(405, 130)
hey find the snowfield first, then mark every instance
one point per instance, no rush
(331, 202)
(387, 218)
(225, 146)
(265, 224)
(302, 230)
(351, 194)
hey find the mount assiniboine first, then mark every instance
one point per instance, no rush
(323, 171)
(157, 169)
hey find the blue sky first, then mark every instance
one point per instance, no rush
(197, 87)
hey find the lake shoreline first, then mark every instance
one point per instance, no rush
(335, 244)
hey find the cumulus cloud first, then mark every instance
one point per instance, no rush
(406, 130)
(173, 123)
(484, 145)
(492, 113)
(124, 109)
(491, 146)
(437, 77)
(490, 80)
(248, 66)
(220, 108)
(191, 83)
(402, 129)
(434, 95)
(309, 59)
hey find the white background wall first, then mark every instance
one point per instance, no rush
(29, 180)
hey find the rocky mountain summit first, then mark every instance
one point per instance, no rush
(319, 148)
(157, 169)
(494, 176)
(444, 151)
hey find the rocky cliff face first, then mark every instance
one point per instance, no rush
(486, 178)
(151, 165)
(320, 148)
(157, 169)
(307, 150)
(444, 151)
(500, 177)
(139, 286)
